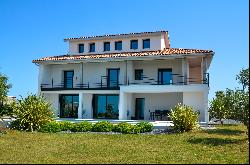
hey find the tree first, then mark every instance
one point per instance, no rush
(4, 88)
(220, 106)
(241, 107)
(233, 104)
(243, 78)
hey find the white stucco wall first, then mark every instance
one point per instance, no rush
(197, 101)
(156, 43)
(87, 106)
(150, 68)
(92, 72)
(153, 101)
(57, 72)
(53, 98)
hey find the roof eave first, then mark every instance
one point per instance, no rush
(160, 56)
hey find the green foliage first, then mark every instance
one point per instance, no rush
(220, 106)
(32, 112)
(81, 127)
(243, 78)
(231, 104)
(240, 107)
(51, 127)
(122, 127)
(145, 126)
(127, 128)
(103, 126)
(184, 118)
(4, 88)
(66, 125)
(6, 109)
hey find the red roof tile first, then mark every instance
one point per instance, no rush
(166, 51)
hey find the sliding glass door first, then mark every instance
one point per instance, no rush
(106, 106)
(69, 106)
(165, 76)
(113, 77)
(68, 79)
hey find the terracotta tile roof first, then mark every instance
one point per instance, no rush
(113, 35)
(166, 51)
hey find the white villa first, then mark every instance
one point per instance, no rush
(134, 76)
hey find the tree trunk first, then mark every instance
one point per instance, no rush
(221, 122)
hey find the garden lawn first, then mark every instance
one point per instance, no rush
(226, 144)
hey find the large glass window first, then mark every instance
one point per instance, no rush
(106, 46)
(146, 43)
(81, 48)
(118, 45)
(92, 47)
(113, 77)
(106, 106)
(134, 44)
(165, 76)
(69, 106)
(138, 74)
(68, 79)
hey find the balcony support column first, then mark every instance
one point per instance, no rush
(205, 99)
(40, 76)
(122, 106)
(80, 105)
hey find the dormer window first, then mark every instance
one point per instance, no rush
(118, 45)
(146, 43)
(92, 47)
(134, 44)
(106, 46)
(81, 48)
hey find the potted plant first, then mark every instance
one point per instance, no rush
(109, 111)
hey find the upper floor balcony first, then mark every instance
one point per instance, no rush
(111, 82)
(113, 74)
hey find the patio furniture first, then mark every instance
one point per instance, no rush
(165, 113)
(158, 114)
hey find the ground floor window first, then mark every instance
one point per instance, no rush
(69, 106)
(106, 106)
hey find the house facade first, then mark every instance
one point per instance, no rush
(124, 76)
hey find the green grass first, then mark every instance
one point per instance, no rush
(227, 144)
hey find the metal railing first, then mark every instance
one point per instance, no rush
(106, 84)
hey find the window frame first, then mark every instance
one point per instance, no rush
(90, 44)
(79, 45)
(143, 47)
(104, 46)
(131, 44)
(141, 72)
(160, 76)
(116, 42)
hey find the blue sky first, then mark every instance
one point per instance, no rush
(30, 29)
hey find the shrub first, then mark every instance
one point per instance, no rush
(184, 118)
(3, 130)
(66, 125)
(51, 127)
(145, 126)
(127, 128)
(122, 127)
(103, 126)
(32, 112)
(81, 127)
(134, 129)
